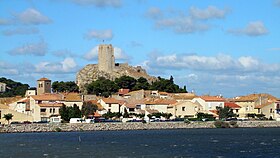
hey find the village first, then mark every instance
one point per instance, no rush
(44, 104)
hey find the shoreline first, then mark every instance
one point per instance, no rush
(80, 127)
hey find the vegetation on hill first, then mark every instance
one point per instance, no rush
(69, 86)
(13, 88)
(105, 87)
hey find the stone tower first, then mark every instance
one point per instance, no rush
(106, 59)
(44, 86)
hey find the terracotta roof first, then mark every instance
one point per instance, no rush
(24, 100)
(48, 96)
(183, 96)
(163, 93)
(232, 105)
(212, 98)
(130, 105)
(263, 105)
(111, 100)
(99, 106)
(123, 91)
(254, 97)
(159, 101)
(96, 114)
(51, 105)
(43, 79)
(2, 106)
(72, 97)
(152, 111)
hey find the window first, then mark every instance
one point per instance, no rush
(236, 110)
(109, 105)
(271, 111)
(50, 110)
(43, 110)
(183, 108)
(53, 110)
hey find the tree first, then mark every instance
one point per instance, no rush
(69, 86)
(88, 108)
(13, 88)
(166, 86)
(64, 113)
(126, 82)
(125, 114)
(102, 87)
(8, 117)
(225, 112)
(142, 83)
(74, 112)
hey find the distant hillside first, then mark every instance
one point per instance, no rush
(13, 88)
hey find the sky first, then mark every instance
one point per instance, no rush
(214, 47)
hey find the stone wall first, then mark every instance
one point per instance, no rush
(124, 126)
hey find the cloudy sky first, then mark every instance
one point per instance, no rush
(229, 47)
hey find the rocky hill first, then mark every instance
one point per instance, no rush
(91, 73)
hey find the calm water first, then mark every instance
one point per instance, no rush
(240, 142)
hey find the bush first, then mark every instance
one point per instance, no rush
(221, 124)
(58, 129)
(232, 123)
(187, 121)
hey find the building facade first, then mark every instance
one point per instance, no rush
(44, 85)
(106, 58)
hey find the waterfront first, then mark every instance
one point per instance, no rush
(239, 142)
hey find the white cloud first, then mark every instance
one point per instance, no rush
(255, 28)
(32, 16)
(181, 23)
(8, 69)
(37, 49)
(63, 53)
(100, 3)
(20, 31)
(154, 13)
(68, 65)
(209, 13)
(99, 35)
(118, 52)
(249, 63)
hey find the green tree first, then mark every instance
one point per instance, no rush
(88, 108)
(74, 112)
(8, 117)
(64, 113)
(225, 112)
(142, 83)
(125, 114)
(69, 86)
(166, 85)
(13, 88)
(102, 87)
(126, 82)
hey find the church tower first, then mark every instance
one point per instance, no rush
(106, 59)
(44, 86)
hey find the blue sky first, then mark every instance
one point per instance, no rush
(228, 47)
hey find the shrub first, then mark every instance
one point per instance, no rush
(187, 121)
(221, 124)
(57, 129)
(232, 123)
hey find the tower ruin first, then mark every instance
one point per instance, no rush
(106, 58)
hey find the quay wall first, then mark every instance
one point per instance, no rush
(67, 127)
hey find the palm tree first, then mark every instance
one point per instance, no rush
(8, 117)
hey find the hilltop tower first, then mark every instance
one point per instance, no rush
(106, 58)
(44, 86)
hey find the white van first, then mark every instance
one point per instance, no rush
(76, 120)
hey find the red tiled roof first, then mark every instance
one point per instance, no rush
(48, 96)
(72, 97)
(43, 79)
(111, 100)
(232, 105)
(212, 98)
(51, 105)
(160, 101)
(163, 93)
(123, 91)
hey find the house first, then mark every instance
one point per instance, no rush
(43, 106)
(2, 87)
(110, 104)
(234, 107)
(250, 104)
(209, 102)
(163, 95)
(30, 92)
(271, 110)
(70, 99)
(184, 109)
(19, 117)
(159, 104)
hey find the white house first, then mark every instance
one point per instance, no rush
(209, 102)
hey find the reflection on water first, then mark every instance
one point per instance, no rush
(241, 142)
